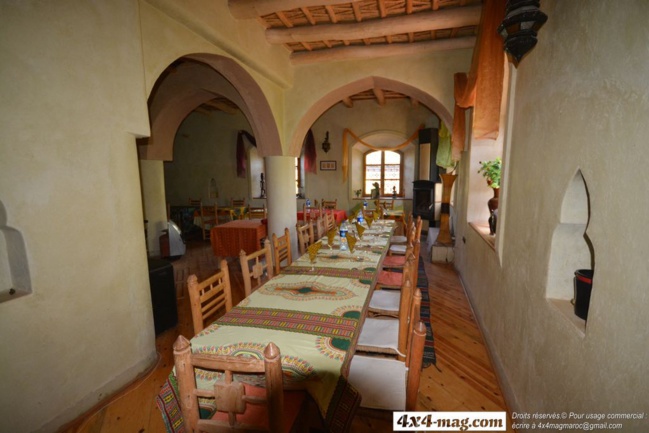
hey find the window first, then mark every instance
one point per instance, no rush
(386, 168)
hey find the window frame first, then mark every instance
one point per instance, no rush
(382, 192)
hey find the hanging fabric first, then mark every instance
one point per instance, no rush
(482, 87)
(242, 158)
(345, 164)
(444, 156)
(309, 153)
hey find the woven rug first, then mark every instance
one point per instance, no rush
(422, 283)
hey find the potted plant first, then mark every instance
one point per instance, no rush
(491, 171)
(358, 192)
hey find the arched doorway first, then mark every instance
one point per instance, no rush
(187, 84)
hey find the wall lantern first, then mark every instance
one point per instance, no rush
(522, 21)
(325, 144)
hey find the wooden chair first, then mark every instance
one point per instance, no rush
(404, 224)
(388, 204)
(257, 266)
(257, 212)
(195, 202)
(239, 207)
(389, 336)
(385, 300)
(413, 234)
(330, 221)
(239, 406)
(329, 204)
(238, 202)
(223, 215)
(304, 236)
(393, 279)
(398, 261)
(319, 228)
(208, 220)
(309, 213)
(282, 250)
(209, 297)
(388, 384)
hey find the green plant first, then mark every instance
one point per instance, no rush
(491, 171)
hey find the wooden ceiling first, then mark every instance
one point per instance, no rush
(333, 30)
(329, 30)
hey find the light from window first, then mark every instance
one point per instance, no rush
(384, 167)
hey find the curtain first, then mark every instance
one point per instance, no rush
(309, 153)
(242, 158)
(482, 87)
(444, 157)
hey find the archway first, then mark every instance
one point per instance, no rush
(336, 95)
(181, 88)
(169, 106)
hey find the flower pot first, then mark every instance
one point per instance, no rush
(492, 204)
(583, 288)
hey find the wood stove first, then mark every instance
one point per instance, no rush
(423, 200)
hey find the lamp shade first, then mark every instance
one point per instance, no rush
(523, 19)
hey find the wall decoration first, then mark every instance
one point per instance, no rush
(327, 165)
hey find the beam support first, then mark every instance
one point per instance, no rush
(375, 51)
(421, 22)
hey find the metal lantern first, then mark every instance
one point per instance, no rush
(523, 19)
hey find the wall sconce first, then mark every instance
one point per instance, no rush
(325, 144)
(522, 21)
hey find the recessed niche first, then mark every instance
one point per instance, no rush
(15, 280)
(571, 247)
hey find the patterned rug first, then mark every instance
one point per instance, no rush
(429, 347)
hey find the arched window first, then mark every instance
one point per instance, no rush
(386, 168)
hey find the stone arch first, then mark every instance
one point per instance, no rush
(367, 83)
(229, 79)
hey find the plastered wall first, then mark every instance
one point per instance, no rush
(69, 182)
(580, 103)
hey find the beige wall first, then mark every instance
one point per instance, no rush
(580, 103)
(73, 98)
(206, 148)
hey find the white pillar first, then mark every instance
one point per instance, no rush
(280, 193)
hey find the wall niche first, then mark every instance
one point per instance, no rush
(15, 280)
(571, 249)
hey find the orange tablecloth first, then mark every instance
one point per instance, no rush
(339, 214)
(230, 238)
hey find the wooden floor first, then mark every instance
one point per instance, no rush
(463, 379)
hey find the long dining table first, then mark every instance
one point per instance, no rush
(313, 311)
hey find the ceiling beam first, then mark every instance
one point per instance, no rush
(374, 51)
(380, 96)
(421, 22)
(246, 9)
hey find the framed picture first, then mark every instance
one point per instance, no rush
(327, 165)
